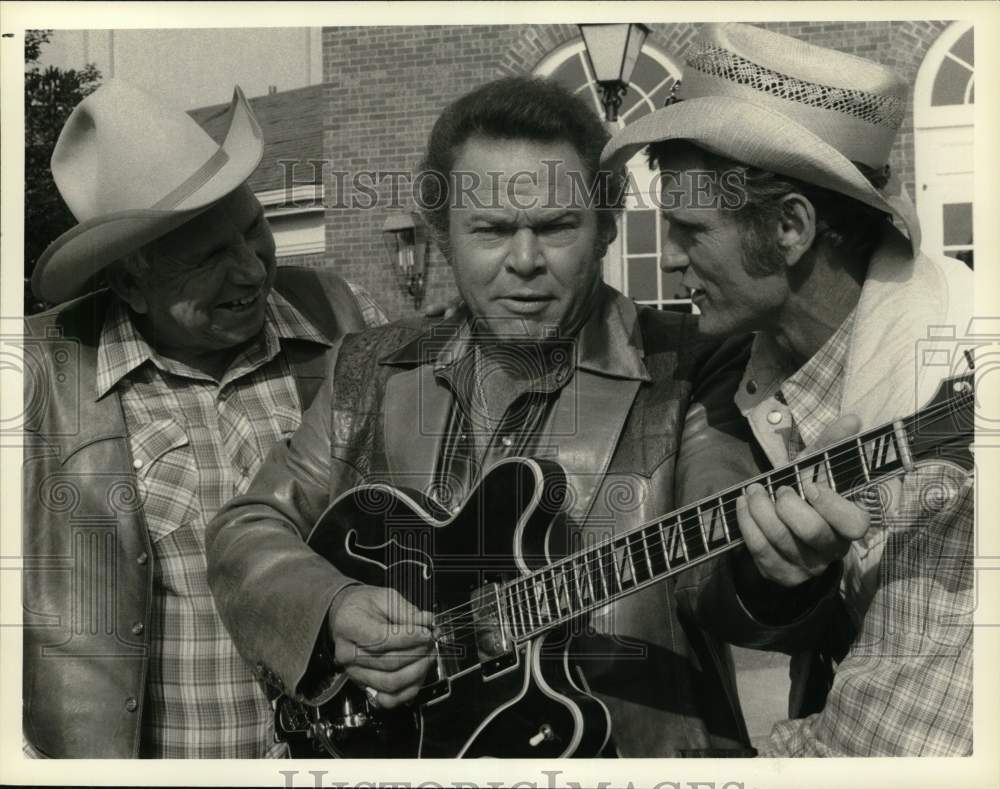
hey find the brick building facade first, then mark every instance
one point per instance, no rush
(383, 87)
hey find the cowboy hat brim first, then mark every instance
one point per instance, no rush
(80, 253)
(756, 135)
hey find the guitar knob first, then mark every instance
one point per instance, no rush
(544, 734)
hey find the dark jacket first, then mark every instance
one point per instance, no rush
(88, 561)
(617, 428)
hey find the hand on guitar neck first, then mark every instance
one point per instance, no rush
(382, 641)
(792, 540)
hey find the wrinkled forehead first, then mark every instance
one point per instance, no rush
(519, 174)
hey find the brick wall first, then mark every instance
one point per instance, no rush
(386, 86)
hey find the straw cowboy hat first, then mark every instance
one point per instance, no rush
(782, 105)
(131, 170)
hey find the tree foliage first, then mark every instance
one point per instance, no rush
(50, 94)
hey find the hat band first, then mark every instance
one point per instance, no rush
(194, 182)
(878, 110)
(855, 139)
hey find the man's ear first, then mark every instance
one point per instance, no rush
(123, 283)
(796, 227)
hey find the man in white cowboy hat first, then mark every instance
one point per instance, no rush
(151, 403)
(780, 212)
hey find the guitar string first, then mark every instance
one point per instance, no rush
(598, 555)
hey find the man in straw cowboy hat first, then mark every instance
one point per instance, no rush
(151, 403)
(818, 256)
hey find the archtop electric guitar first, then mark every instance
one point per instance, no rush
(504, 682)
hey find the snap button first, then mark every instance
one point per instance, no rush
(774, 417)
(137, 628)
(507, 441)
(751, 387)
(142, 558)
(131, 704)
(137, 464)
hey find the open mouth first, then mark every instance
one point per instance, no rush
(237, 305)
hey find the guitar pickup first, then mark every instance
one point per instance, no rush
(493, 647)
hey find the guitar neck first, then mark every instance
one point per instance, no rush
(647, 554)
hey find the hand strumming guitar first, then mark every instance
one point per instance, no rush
(382, 641)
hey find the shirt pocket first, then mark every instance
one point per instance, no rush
(168, 480)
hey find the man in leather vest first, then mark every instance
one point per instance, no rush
(148, 404)
(545, 359)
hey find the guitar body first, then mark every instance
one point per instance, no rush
(487, 696)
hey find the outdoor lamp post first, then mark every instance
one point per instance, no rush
(405, 242)
(612, 51)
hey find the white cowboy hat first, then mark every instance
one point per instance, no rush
(786, 106)
(132, 170)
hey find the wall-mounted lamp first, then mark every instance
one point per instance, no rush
(613, 51)
(405, 239)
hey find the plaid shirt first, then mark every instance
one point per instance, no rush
(197, 442)
(905, 686)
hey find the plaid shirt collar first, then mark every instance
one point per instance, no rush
(123, 349)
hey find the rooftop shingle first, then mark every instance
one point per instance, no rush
(292, 124)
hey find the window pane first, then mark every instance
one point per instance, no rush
(957, 224)
(570, 74)
(659, 96)
(949, 84)
(965, 255)
(963, 48)
(648, 73)
(672, 288)
(642, 278)
(629, 100)
(641, 234)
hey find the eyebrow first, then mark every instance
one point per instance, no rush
(509, 218)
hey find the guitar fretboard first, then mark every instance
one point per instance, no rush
(596, 576)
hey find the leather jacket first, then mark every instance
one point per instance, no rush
(88, 560)
(669, 685)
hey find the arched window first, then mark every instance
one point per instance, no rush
(943, 117)
(633, 262)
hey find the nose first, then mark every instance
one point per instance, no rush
(673, 257)
(525, 254)
(245, 268)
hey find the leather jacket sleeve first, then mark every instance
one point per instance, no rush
(726, 595)
(272, 591)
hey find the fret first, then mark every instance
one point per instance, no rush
(663, 542)
(679, 535)
(694, 536)
(567, 586)
(540, 598)
(627, 547)
(701, 526)
(861, 456)
(590, 581)
(617, 569)
(525, 603)
(576, 581)
(645, 550)
(512, 613)
(829, 472)
(725, 521)
(564, 603)
(551, 597)
(600, 572)
(902, 445)
(798, 480)
(657, 565)
(769, 485)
